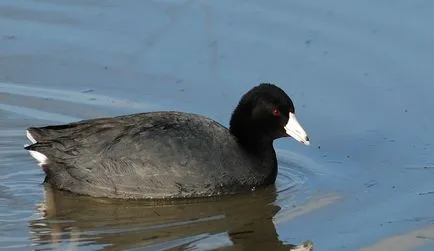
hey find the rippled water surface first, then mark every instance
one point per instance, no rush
(360, 74)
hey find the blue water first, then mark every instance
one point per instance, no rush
(360, 74)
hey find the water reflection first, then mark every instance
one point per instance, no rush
(236, 223)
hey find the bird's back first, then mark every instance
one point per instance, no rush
(147, 155)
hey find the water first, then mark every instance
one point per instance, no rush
(359, 72)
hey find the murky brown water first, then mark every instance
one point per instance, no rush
(360, 74)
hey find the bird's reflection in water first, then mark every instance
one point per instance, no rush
(242, 222)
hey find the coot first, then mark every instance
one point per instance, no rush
(158, 155)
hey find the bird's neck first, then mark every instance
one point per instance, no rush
(255, 143)
(247, 133)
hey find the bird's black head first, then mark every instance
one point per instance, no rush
(264, 114)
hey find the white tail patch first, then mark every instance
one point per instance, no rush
(41, 158)
(30, 137)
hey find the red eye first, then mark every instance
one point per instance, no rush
(276, 112)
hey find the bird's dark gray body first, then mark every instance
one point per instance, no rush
(169, 154)
(150, 155)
